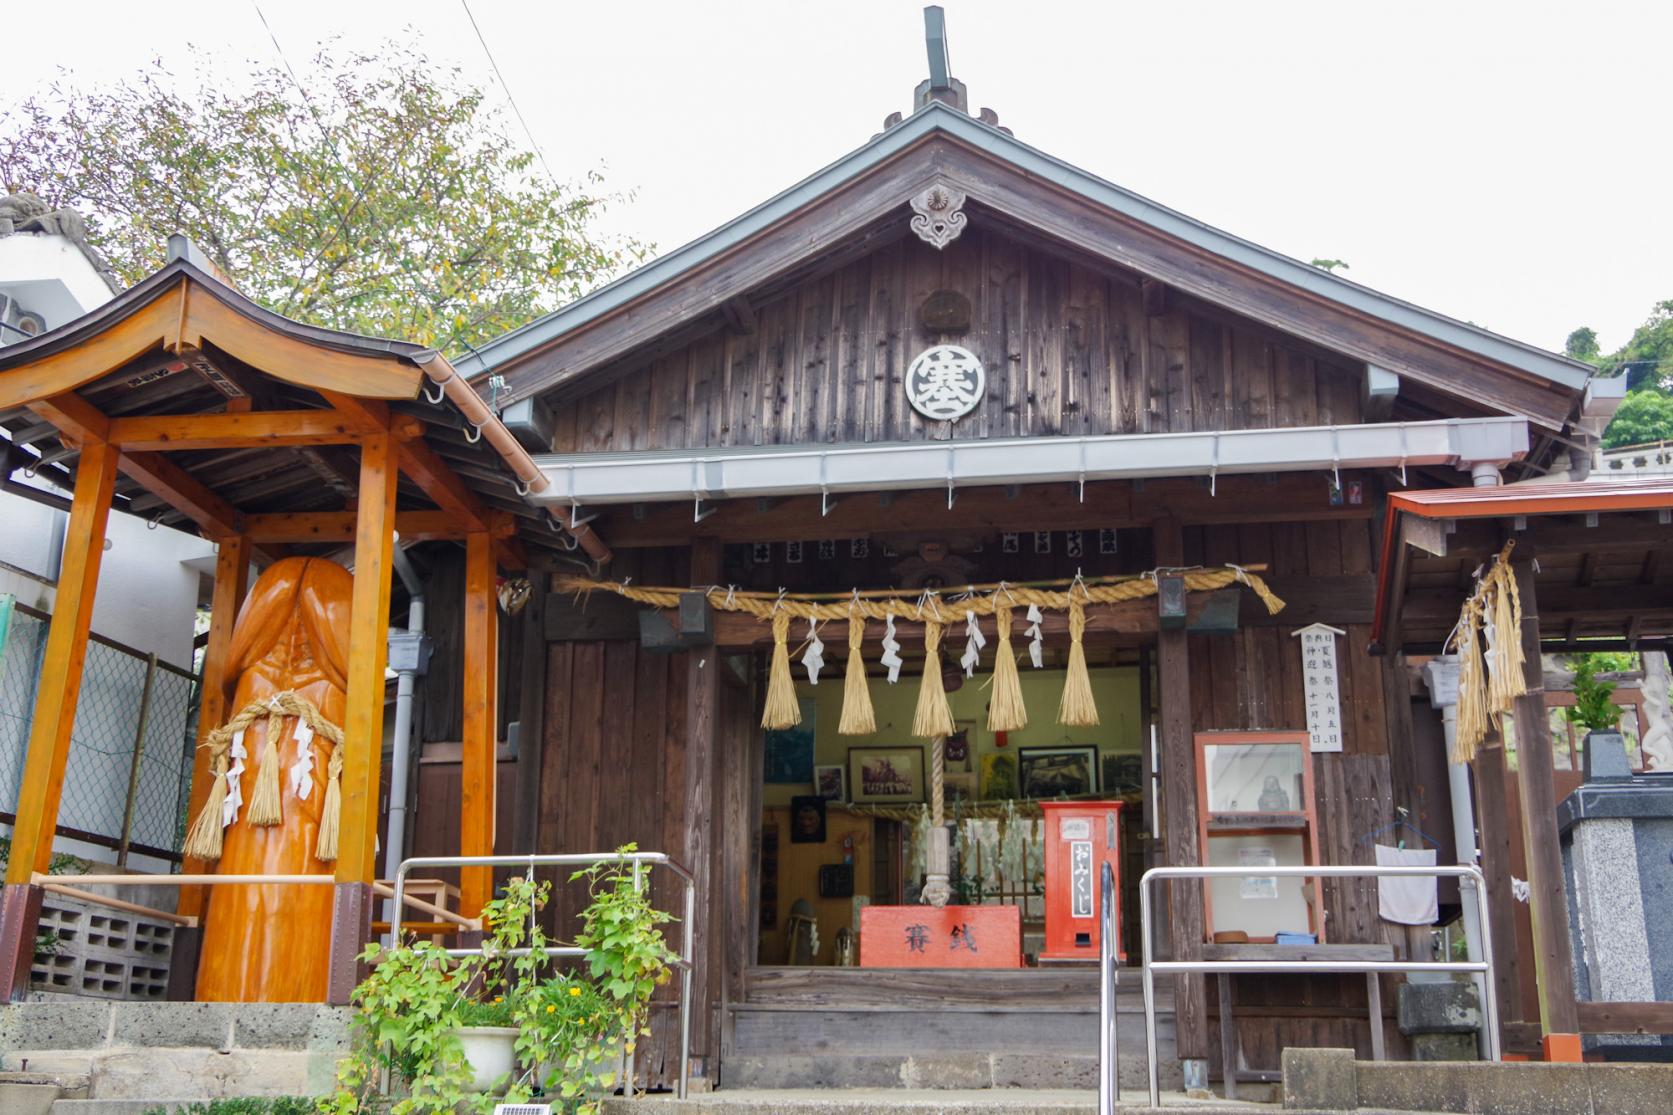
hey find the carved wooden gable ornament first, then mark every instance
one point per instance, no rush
(938, 214)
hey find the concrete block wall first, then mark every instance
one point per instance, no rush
(144, 1051)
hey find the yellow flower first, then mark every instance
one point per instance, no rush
(576, 991)
(551, 1010)
(499, 998)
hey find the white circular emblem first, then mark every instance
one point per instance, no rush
(945, 383)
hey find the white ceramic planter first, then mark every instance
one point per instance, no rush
(491, 1052)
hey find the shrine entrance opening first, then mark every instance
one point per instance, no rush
(845, 819)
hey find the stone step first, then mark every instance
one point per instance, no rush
(122, 1107)
(1052, 1071)
(993, 1101)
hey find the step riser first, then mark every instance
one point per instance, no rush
(937, 1072)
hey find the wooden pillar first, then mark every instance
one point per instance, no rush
(1547, 904)
(1487, 771)
(232, 574)
(479, 720)
(55, 710)
(531, 715)
(363, 716)
(1179, 812)
(702, 821)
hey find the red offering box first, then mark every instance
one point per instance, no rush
(951, 937)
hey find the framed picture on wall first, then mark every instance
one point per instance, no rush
(999, 776)
(789, 752)
(886, 775)
(1055, 772)
(830, 783)
(807, 820)
(1122, 774)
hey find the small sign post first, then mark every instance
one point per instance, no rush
(1320, 687)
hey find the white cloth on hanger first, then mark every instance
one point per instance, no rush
(1408, 900)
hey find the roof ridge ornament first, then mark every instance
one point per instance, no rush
(938, 213)
(941, 85)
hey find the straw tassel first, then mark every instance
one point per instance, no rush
(782, 709)
(264, 802)
(331, 810)
(204, 840)
(1472, 686)
(1077, 709)
(934, 716)
(858, 719)
(1506, 680)
(1006, 712)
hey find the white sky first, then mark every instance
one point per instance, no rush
(1505, 163)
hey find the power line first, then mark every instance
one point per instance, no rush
(539, 154)
(330, 141)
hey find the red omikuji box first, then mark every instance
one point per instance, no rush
(1081, 836)
(949, 937)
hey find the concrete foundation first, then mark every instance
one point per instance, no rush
(162, 1051)
(1332, 1079)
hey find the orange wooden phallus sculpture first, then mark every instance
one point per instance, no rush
(272, 943)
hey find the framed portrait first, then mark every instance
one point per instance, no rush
(1055, 772)
(830, 783)
(886, 775)
(999, 776)
(807, 820)
(788, 754)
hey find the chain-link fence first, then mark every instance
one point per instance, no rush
(129, 771)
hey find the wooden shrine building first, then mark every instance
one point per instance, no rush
(949, 359)
(941, 378)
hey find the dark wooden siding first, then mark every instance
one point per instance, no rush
(1068, 348)
(1252, 680)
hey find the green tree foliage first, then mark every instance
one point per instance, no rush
(1643, 416)
(1646, 414)
(1582, 345)
(389, 199)
(1648, 357)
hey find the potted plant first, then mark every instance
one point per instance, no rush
(451, 1033)
(577, 1025)
(1601, 717)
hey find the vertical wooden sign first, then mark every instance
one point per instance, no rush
(1320, 687)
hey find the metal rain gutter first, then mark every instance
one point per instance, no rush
(575, 481)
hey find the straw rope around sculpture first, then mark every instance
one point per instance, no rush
(1491, 663)
(933, 716)
(205, 839)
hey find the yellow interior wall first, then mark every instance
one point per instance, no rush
(1115, 689)
(798, 877)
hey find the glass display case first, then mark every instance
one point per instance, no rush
(1255, 809)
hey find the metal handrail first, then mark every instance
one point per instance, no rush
(1109, 1054)
(1465, 874)
(587, 859)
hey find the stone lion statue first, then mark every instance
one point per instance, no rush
(26, 212)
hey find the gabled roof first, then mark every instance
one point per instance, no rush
(154, 371)
(1142, 235)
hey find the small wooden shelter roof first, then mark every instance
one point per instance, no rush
(235, 420)
(861, 201)
(1604, 580)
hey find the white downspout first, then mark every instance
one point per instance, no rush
(1441, 675)
(411, 659)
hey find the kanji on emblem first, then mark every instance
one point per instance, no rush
(945, 383)
(917, 936)
(962, 938)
